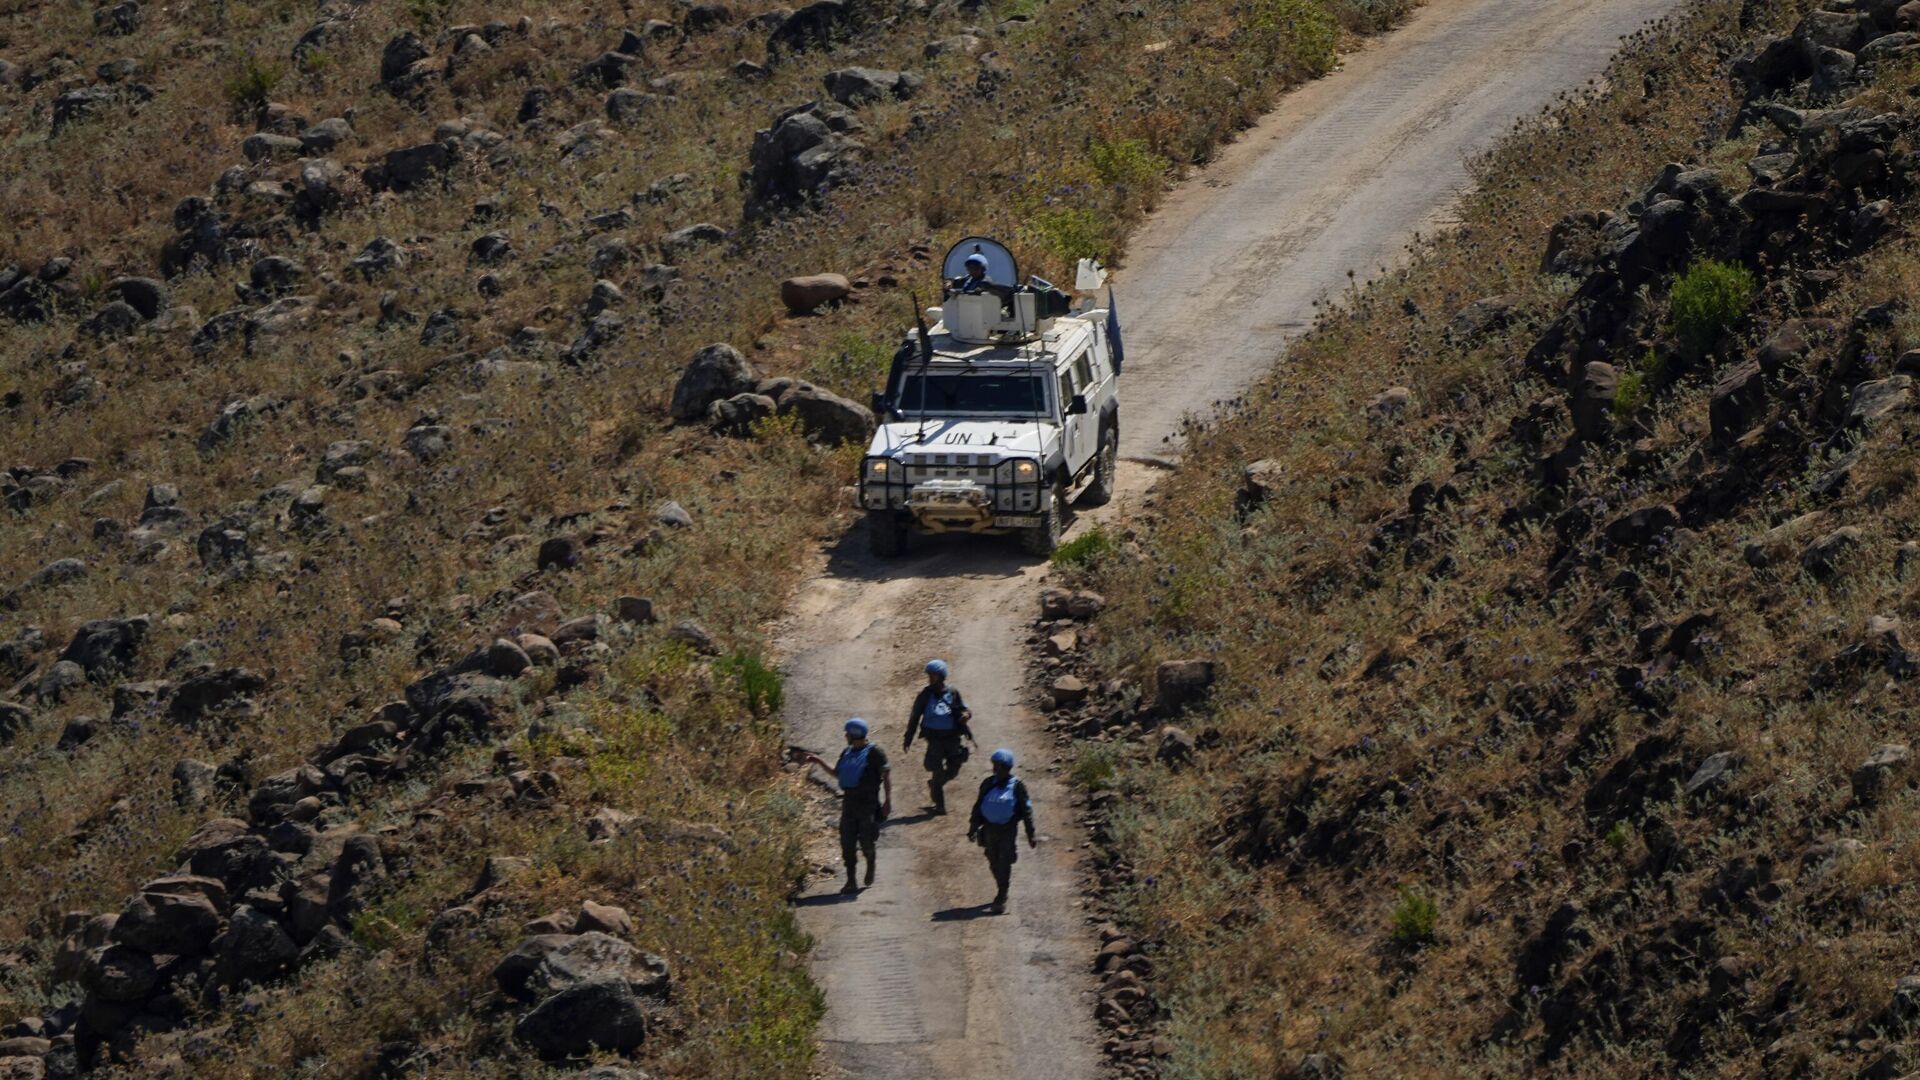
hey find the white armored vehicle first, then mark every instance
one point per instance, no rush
(996, 416)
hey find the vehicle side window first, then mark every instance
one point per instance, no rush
(1066, 388)
(1083, 371)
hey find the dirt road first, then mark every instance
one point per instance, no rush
(920, 982)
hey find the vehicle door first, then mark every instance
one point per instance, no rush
(1082, 429)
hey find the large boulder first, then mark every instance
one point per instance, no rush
(15, 719)
(1182, 683)
(814, 26)
(715, 373)
(411, 167)
(545, 964)
(253, 948)
(105, 647)
(598, 1014)
(168, 923)
(806, 152)
(213, 691)
(120, 973)
(826, 417)
(858, 85)
(738, 414)
(805, 293)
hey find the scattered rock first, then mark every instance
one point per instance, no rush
(694, 636)
(600, 1013)
(1822, 558)
(1872, 777)
(1068, 690)
(1712, 774)
(806, 152)
(1176, 746)
(1389, 403)
(1179, 684)
(857, 86)
(804, 294)
(715, 372)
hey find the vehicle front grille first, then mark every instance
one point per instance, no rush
(975, 467)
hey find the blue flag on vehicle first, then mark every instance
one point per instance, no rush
(1113, 332)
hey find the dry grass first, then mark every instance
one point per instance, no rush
(1095, 141)
(1437, 716)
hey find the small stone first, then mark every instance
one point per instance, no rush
(635, 609)
(604, 918)
(695, 636)
(1714, 772)
(1068, 690)
(1871, 778)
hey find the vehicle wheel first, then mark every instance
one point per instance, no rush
(1105, 464)
(1044, 537)
(887, 534)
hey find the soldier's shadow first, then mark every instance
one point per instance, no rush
(910, 819)
(963, 914)
(826, 899)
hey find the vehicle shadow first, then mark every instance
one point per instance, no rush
(928, 557)
(963, 914)
(826, 899)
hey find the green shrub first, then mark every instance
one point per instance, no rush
(1710, 298)
(1301, 32)
(1072, 233)
(759, 684)
(1086, 549)
(250, 87)
(856, 364)
(1413, 918)
(1096, 767)
(1617, 837)
(1631, 392)
(1126, 162)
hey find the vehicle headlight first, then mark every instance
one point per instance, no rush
(879, 470)
(1017, 471)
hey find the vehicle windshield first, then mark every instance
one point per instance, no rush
(1024, 394)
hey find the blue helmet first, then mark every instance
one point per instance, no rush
(1002, 756)
(937, 667)
(977, 259)
(857, 726)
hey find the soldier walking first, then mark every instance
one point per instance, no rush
(940, 716)
(1001, 808)
(866, 797)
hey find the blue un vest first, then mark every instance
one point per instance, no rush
(939, 715)
(996, 805)
(851, 766)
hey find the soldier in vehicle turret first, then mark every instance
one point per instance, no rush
(974, 281)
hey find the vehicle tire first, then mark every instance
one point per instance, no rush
(1044, 537)
(1106, 463)
(887, 534)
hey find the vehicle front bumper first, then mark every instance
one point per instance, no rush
(954, 505)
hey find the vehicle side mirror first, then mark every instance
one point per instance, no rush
(1078, 406)
(879, 403)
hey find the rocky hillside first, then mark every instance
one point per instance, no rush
(1517, 681)
(413, 414)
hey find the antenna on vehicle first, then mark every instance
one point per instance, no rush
(926, 363)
